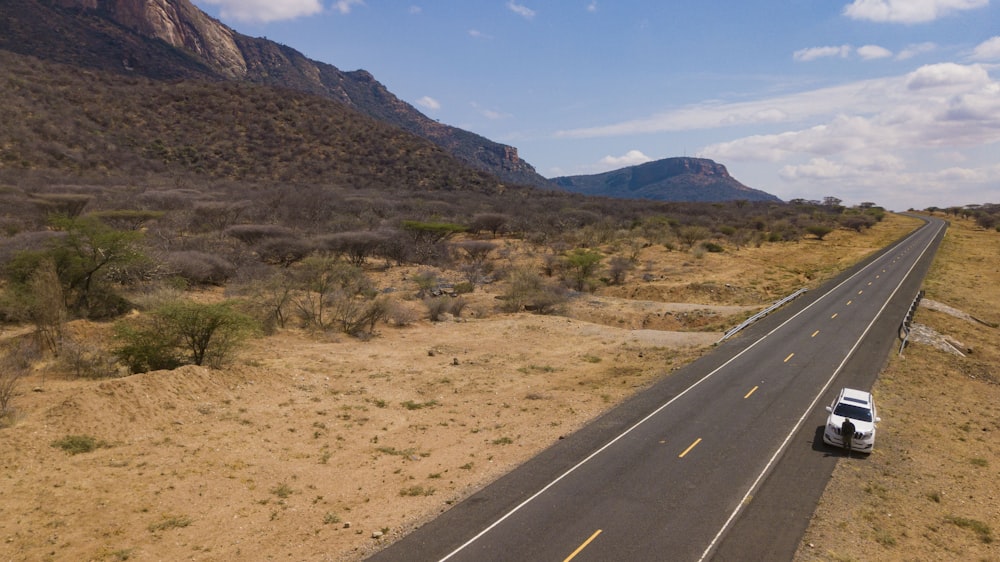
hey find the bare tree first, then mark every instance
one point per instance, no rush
(15, 363)
(475, 257)
(47, 308)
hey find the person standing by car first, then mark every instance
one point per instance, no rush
(847, 434)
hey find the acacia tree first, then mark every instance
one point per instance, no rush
(182, 332)
(84, 253)
(581, 265)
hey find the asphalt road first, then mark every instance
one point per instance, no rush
(721, 460)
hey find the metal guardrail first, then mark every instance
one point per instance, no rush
(904, 326)
(761, 314)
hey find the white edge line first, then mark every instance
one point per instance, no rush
(669, 402)
(809, 409)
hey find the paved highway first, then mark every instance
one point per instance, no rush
(721, 460)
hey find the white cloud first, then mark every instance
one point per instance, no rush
(988, 50)
(887, 139)
(476, 34)
(345, 6)
(813, 53)
(490, 114)
(592, 6)
(908, 11)
(946, 75)
(630, 158)
(872, 52)
(428, 102)
(264, 11)
(521, 10)
(416, 10)
(858, 96)
(916, 49)
(815, 169)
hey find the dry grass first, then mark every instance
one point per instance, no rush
(326, 448)
(929, 490)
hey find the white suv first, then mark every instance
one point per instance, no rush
(860, 408)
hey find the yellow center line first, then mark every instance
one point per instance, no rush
(814, 334)
(790, 355)
(861, 291)
(688, 450)
(869, 283)
(849, 303)
(752, 390)
(834, 316)
(582, 546)
(877, 276)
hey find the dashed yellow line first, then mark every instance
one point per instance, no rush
(752, 390)
(790, 355)
(849, 303)
(582, 546)
(814, 334)
(861, 291)
(834, 316)
(688, 450)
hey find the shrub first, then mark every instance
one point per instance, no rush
(464, 288)
(619, 266)
(981, 529)
(819, 230)
(337, 295)
(14, 365)
(581, 265)
(170, 522)
(182, 332)
(528, 291)
(436, 307)
(77, 444)
(199, 268)
(86, 361)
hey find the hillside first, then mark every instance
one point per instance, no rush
(669, 179)
(172, 39)
(93, 123)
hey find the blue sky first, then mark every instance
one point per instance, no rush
(891, 101)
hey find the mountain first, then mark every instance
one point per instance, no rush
(670, 179)
(173, 40)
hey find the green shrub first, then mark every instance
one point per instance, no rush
(76, 444)
(181, 332)
(981, 529)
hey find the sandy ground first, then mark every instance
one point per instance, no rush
(297, 452)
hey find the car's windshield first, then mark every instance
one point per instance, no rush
(853, 412)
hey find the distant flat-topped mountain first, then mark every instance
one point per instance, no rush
(670, 179)
(173, 39)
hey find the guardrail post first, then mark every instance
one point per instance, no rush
(904, 327)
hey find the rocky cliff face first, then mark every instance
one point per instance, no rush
(204, 47)
(177, 23)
